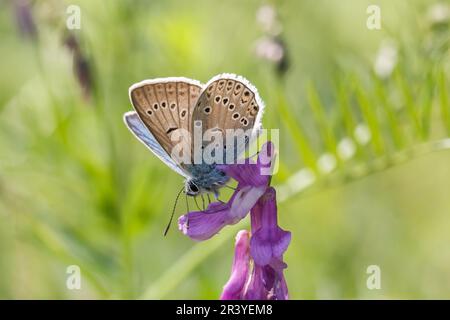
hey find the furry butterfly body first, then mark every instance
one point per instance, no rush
(164, 107)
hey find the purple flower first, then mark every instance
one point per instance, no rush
(81, 65)
(202, 225)
(247, 283)
(267, 246)
(234, 288)
(269, 241)
(25, 19)
(257, 271)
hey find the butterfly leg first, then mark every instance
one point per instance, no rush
(254, 155)
(230, 187)
(187, 202)
(187, 208)
(196, 203)
(216, 196)
(203, 202)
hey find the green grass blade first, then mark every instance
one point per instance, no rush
(444, 103)
(324, 127)
(370, 116)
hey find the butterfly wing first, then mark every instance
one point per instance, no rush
(229, 101)
(141, 132)
(165, 105)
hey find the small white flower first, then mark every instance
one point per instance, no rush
(346, 148)
(362, 134)
(327, 163)
(439, 13)
(298, 182)
(269, 49)
(266, 16)
(386, 60)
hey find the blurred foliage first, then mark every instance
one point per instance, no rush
(362, 115)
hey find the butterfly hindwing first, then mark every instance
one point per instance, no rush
(229, 102)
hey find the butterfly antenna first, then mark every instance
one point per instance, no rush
(173, 212)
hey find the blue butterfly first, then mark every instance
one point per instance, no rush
(166, 106)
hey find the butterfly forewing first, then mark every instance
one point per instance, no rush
(141, 132)
(165, 105)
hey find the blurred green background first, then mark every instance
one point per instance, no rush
(363, 118)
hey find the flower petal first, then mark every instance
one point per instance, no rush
(255, 289)
(202, 225)
(267, 246)
(250, 173)
(269, 241)
(199, 225)
(281, 289)
(275, 283)
(235, 286)
(245, 199)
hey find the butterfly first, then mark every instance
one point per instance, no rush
(164, 106)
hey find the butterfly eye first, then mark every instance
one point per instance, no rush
(192, 187)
